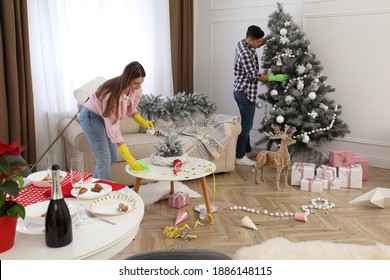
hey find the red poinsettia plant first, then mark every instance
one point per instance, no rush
(11, 182)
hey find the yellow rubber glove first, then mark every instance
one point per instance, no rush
(125, 153)
(140, 120)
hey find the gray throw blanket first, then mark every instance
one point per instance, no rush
(202, 137)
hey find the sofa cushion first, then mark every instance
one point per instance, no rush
(128, 125)
(141, 145)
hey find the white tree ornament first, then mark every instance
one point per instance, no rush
(283, 32)
(279, 119)
(312, 95)
(300, 85)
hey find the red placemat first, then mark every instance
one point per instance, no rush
(37, 194)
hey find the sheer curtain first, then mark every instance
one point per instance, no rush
(74, 41)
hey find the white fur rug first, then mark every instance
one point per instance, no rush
(154, 192)
(283, 249)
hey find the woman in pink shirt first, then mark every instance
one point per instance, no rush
(100, 118)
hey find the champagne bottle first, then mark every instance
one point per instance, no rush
(58, 222)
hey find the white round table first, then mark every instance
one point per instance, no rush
(195, 168)
(96, 239)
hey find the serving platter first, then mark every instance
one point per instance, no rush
(91, 194)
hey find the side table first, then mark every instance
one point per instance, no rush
(195, 168)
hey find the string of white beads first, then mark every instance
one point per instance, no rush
(315, 203)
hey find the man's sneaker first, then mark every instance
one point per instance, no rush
(245, 161)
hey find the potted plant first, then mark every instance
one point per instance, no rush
(11, 182)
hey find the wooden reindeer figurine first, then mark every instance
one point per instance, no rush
(279, 159)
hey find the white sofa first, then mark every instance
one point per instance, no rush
(142, 145)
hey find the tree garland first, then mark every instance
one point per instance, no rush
(172, 108)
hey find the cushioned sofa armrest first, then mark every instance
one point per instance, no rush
(231, 125)
(74, 135)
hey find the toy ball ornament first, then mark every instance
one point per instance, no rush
(305, 138)
(312, 95)
(283, 31)
(274, 92)
(279, 119)
(259, 105)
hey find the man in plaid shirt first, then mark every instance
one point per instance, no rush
(247, 75)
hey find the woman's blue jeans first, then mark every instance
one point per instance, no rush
(104, 151)
(247, 113)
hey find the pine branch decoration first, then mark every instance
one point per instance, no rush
(176, 107)
(170, 146)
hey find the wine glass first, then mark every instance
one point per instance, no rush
(77, 178)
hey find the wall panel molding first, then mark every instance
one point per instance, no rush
(305, 17)
(242, 4)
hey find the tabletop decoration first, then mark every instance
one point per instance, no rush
(11, 182)
(169, 152)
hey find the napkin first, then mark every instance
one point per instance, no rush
(145, 168)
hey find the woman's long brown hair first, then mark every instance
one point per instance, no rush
(116, 85)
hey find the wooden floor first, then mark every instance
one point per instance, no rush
(346, 223)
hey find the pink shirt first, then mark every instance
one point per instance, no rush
(127, 107)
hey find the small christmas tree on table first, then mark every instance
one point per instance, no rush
(169, 150)
(300, 101)
(170, 146)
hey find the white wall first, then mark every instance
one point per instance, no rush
(351, 40)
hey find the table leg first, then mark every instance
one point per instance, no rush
(137, 184)
(172, 187)
(206, 197)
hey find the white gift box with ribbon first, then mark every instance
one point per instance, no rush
(312, 185)
(351, 176)
(300, 170)
(333, 184)
(326, 172)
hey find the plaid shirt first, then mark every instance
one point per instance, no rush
(246, 70)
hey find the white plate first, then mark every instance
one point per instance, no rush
(197, 208)
(90, 194)
(108, 205)
(28, 226)
(37, 177)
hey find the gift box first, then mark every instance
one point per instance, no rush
(178, 199)
(364, 163)
(339, 158)
(351, 177)
(333, 184)
(312, 185)
(326, 172)
(300, 170)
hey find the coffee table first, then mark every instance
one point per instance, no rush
(195, 168)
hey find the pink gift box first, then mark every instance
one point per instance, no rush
(300, 170)
(178, 199)
(351, 176)
(326, 172)
(339, 158)
(364, 163)
(312, 185)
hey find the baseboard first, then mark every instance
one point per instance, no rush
(377, 153)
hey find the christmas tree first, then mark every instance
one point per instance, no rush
(170, 146)
(300, 101)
